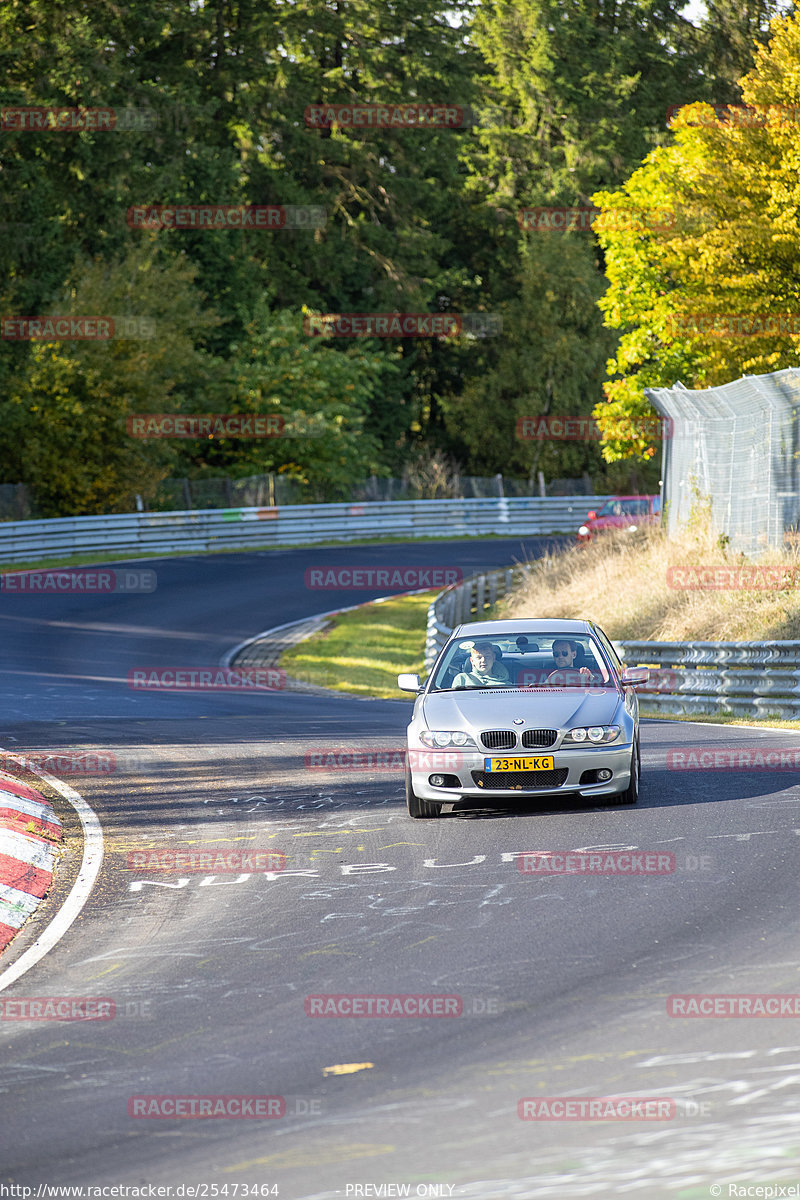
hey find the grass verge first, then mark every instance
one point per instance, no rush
(363, 651)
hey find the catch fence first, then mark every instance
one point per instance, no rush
(736, 447)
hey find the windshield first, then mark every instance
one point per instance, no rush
(619, 508)
(520, 660)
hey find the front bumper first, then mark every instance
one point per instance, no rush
(460, 765)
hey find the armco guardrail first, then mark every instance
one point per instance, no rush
(759, 679)
(300, 524)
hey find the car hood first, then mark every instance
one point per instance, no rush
(496, 708)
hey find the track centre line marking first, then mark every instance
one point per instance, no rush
(82, 887)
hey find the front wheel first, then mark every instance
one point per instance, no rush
(417, 807)
(631, 793)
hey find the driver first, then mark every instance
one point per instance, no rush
(485, 670)
(564, 654)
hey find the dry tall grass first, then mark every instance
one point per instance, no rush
(620, 581)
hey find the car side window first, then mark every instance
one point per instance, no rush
(610, 651)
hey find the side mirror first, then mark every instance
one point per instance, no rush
(635, 675)
(591, 516)
(409, 683)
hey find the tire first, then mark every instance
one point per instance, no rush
(418, 808)
(631, 793)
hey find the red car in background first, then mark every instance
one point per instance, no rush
(621, 512)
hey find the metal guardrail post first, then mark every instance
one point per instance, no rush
(480, 592)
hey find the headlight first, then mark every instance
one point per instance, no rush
(595, 733)
(437, 739)
(584, 529)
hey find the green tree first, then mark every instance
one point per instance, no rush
(549, 363)
(67, 403)
(323, 395)
(727, 34)
(394, 197)
(583, 89)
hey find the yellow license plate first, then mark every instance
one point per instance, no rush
(542, 762)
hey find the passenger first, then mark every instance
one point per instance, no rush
(485, 670)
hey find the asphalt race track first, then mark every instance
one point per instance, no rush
(561, 983)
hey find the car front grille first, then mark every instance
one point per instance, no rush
(499, 739)
(540, 737)
(507, 781)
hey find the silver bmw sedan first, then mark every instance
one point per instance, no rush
(521, 709)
